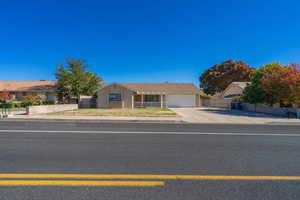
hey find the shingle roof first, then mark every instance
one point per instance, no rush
(169, 88)
(241, 84)
(27, 85)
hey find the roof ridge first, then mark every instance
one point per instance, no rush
(28, 81)
(154, 83)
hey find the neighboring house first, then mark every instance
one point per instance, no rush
(140, 95)
(18, 89)
(235, 89)
(223, 99)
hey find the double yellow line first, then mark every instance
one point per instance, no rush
(78, 180)
(137, 180)
(79, 183)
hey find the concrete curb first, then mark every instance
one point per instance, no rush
(142, 121)
(93, 120)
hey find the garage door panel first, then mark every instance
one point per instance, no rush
(181, 101)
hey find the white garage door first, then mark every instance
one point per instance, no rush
(181, 101)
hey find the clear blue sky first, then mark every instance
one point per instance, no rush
(144, 40)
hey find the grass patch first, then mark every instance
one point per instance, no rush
(138, 112)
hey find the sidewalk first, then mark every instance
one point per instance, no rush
(186, 115)
(227, 116)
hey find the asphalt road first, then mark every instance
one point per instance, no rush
(215, 151)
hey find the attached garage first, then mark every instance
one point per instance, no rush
(181, 101)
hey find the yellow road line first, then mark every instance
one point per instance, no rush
(79, 183)
(148, 176)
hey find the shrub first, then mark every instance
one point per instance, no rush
(6, 105)
(48, 102)
(31, 100)
(11, 105)
(204, 97)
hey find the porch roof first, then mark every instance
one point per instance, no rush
(163, 88)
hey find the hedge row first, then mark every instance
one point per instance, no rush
(24, 103)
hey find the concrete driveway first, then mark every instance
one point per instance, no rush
(219, 115)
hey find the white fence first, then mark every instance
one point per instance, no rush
(50, 108)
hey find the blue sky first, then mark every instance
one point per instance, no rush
(144, 40)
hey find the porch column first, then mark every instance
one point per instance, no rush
(142, 100)
(161, 101)
(132, 101)
(166, 96)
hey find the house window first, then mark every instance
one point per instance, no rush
(114, 97)
(152, 98)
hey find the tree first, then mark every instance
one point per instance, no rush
(274, 83)
(254, 93)
(219, 76)
(283, 84)
(74, 80)
(291, 78)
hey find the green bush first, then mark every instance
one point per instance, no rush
(27, 102)
(204, 97)
(7, 105)
(48, 102)
(10, 105)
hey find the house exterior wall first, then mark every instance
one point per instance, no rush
(126, 97)
(233, 89)
(217, 102)
(198, 100)
(19, 95)
(191, 99)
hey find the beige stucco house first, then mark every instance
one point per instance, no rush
(140, 95)
(18, 89)
(233, 90)
(223, 99)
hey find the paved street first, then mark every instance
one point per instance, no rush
(86, 160)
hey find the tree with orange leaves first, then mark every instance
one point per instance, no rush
(283, 83)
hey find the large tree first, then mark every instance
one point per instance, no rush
(219, 76)
(283, 83)
(274, 83)
(254, 93)
(74, 80)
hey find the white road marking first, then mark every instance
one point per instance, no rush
(151, 132)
